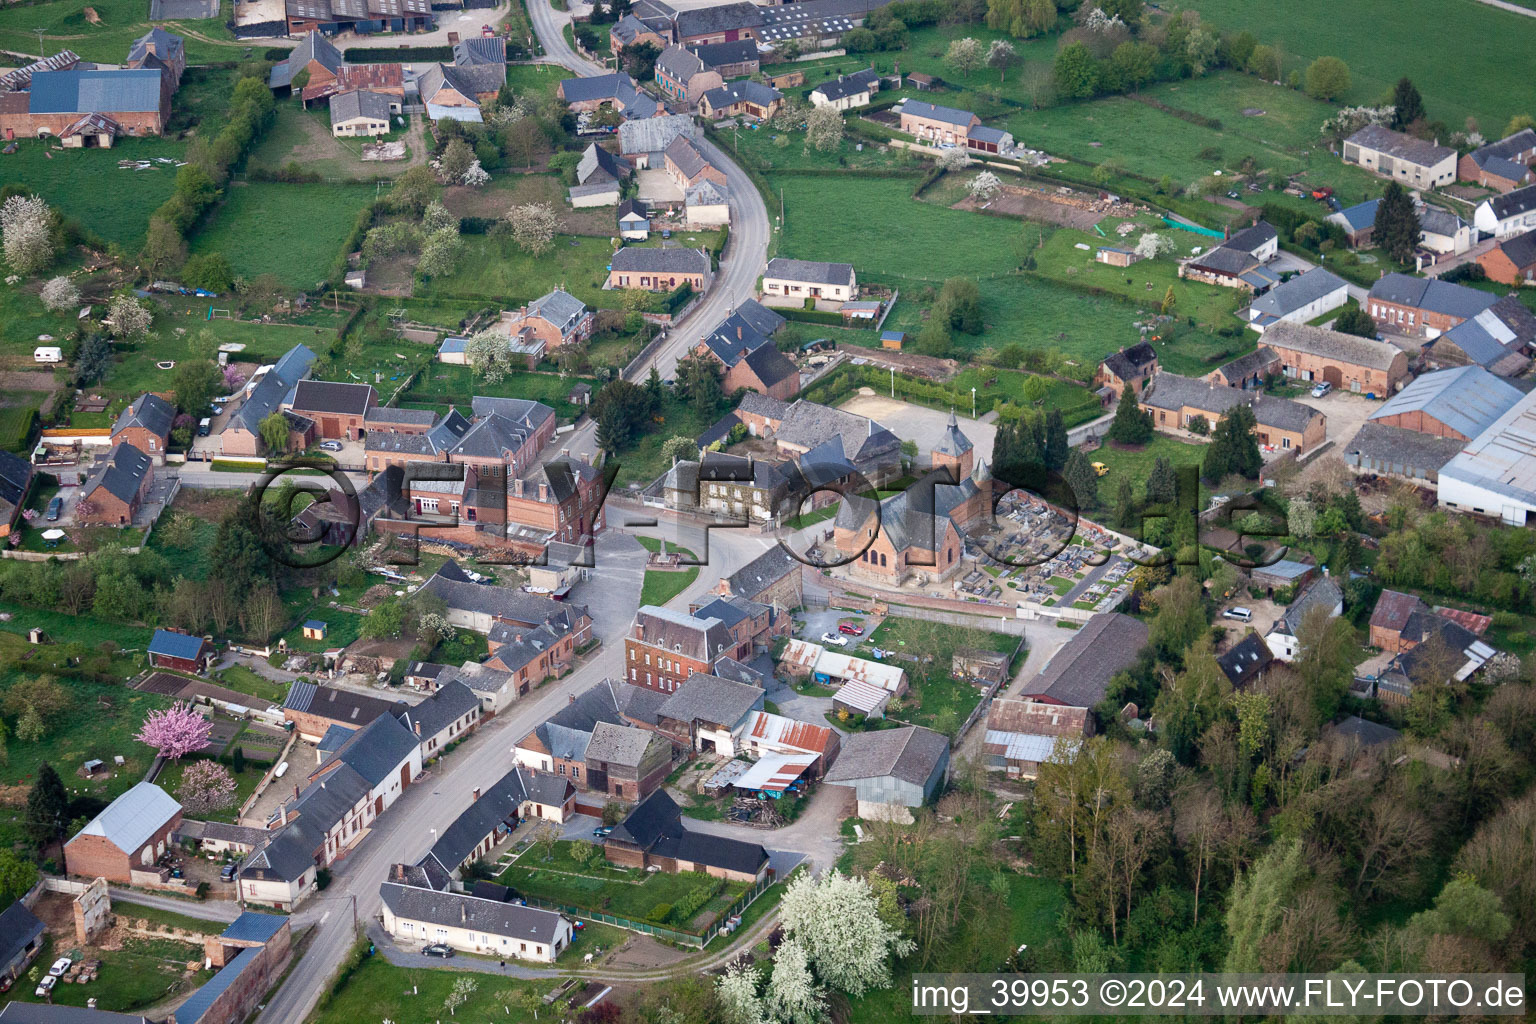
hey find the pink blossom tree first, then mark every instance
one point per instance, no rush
(233, 378)
(175, 732)
(206, 786)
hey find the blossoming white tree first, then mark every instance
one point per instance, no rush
(60, 293)
(1152, 245)
(736, 992)
(26, 227)
(984, 186)
(837, 920)
(793, 996)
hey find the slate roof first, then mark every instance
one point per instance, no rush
(712, 699)
(1432, 294)
(771, 366)
(1326, 344)
(631, 210)
(18, 927)
(313, 47)
(133, 817)
(176, 645)
(742, 90)
(559, 307)
(754, 316)
(271, 389)
(1424, 452)
(498, 805)
(1435, 221)
(1520, 250)
(644, 259)
(1322, 593)
(375, 751)
(807, 425)
(336, 704)
(1251, 238)
(1512, 203)
(1244, 661)
(166, 45)
(506, 603)
(597, 165)
(995, 136)
(655, 134)
(95, 90)
(682, 633)
(1172, 392)
(441, 438)
(1399, 146)
(656, 825)
(1496, 338)
(1297, 292)
(1244, 367)
(844, 86)
(1360, 216)
(740, 51)
(628, 29)
(935, 112)
(1229, 260)
(686, 156)
(811, 271)
(480, 50)
(1368, 734)
(953, 442)
(348, 106)
(449, 703)
(909, 754)
(254, 927)
(18, 1012)
(1466, 398)
(620, 744)
(288, 855)
(1125, 362)
(720, 18)
(468, 80)
(762, 572)
(121, 474)
(1078, 674)
(386, 416)
(493, 437)
(15, 476)
(461, 910)
(679, 64)
(149, 411)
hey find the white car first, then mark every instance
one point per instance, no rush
(834, 639)
(1322, 389)
(59, 967)
(46, 986)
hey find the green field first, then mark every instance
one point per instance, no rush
(441, 384)
(378, 989)
(119, 22)
(87, 185)
(293, 231)
(936, 700)
(1448, 48)
(142, 973)
(1138, 464)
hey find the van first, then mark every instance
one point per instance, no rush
(1240, 614)
(48, 354)
(204, 425)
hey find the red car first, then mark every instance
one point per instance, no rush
(850, 629)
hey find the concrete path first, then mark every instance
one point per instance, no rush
(204, 910)
(1511, 8)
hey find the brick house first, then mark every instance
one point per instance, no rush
(631, 31)
(664, 647)
(129, 836)
(1423, 307)
(625, 762)
(482, 607)
(16, 475)
(123, 101)
(146, 424)
(249, 957)
(180, 652)
(929, 122)
(688, 167)
(743, 98)
(399, 421)
(772, 578)
(264, 395)
(1504, 165)
(1174, 402)
(798, 280)
(1457, 403)
(316, 58)
(1362, 365)
(338, 410)
(1130, 366)
(555, 318)
(1511, 261)
(736, 59)
(115, 490)
(683, 77)
(161, 49)
(1416, 163)
(655, 836)
(742, 344)
(559, 746)
(660, 270)
(314, 709)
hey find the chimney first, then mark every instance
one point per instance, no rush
(738, 332)
(295, 790)
(543, 491)
(463, 913)
(475, 794)
(417, 726)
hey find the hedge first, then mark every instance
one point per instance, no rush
(811, 316)
(398, 55)
(678, 298)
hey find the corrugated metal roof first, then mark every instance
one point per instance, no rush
(1465, 398)
(133, 817)
(775, 772)
(865, 698)
(95, 90)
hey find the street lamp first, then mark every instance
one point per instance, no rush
(893, 382)
(973, 403)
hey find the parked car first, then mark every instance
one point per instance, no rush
(604, 832)
(330, 446)
(439, 950)
(59, 967)
(1099, 469)
(850, 628)
(834, 639)
(46, 986)
(204, 427)
(1322, 389)
(1240, 614)
(227, 872)
(55, 509)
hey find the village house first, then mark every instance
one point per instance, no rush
(390, 444)
(616, 90)
(683, 77)
(114, 492)
(359, 112)
(338, 410)
(180, 651)
(444, 87)
(1504, 165)
(1238, 262)
(625, 769)
(742, 344)
(723, 23)
(1363, 365)
(314, 709)
(555, 318)
(1423, 307)
(1302, 299)
(463, 921)
(1442, 233)
(314, 61)
(1511, 261)
(743, 98)
(16, 475)
(802, 426)
(688, 167)
(1174, 401)
(482, 606)
(1246, 661)
(707, 713)
(160, 49)
(706, 205)
(146, 424)
(1284, 637)
(1498, 339)
(797, 280)
(264, 394)
(654, 835)
(126, 838)
(631, 31)
(491, 816)
(735, 59)
(1021, 734)
(643, 143)
(1458, 403)
(660, 270)
(664, 647)
(1129, 367)
(892, 771)
(772, 578)
(1512, 213)
(451, 713)
(847, 91)
(1416, 163)
(1078, 674)
(942, 126)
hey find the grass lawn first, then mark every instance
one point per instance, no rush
(238, 677)
(378, 989)
(661, 586)
(536, 79)
(23, 316)
(318, 218)
(245, 784)
(342, 628)
(119, 22)
(936, 700)
(1382, 42)
(87, 184)
(492, 267)
(144, 972)
(442, 384)
(599, 887)
(642, 461)
(1138, 464)
(156, 917)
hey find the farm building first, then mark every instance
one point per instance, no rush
(359, 112)
(1394, 451)
(127, 838)
(1458, 403)
(1495, 474)
(655, 835)
(180, 652)
(1078, 674)
(1301, 299)
(1497, 339)
(1423, 307)
(16, 476)
(892, 771)
(1511, 261)
(1416, 163)
(1020, 734)
(1362, 365)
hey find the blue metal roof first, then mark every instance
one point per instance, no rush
(450, 345)
(176, 645)
(313, 624)
(95, 90)
(1361, 215)
(253, 927)
(201, 1001)
(1465, 398)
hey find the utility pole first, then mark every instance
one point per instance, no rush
(42, 54)
(973, 403)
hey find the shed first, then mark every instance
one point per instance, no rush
(314, 629)
(861, 699)
(179, 651)
(892, 770)
(892, 340)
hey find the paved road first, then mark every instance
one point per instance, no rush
(745, 256)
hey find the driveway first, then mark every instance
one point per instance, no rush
(1290, 261)
(1451, 262)
(1345, 410)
